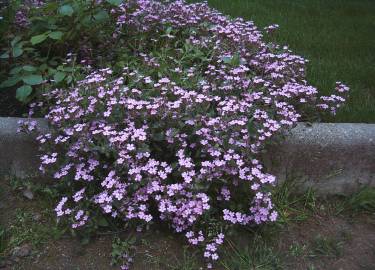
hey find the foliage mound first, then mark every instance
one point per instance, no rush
(172, 129)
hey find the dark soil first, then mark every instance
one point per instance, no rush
(9, 105)
(158, 251)
(329, 242)
(323, 241)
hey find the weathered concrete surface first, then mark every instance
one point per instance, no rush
(330, 158)
(18, 151)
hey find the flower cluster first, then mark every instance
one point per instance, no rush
(334, 101)
(21, 17)
(175, 135)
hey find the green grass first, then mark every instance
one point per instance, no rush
(3, 241)
(25, 227)
(26, 230)
(291, 205)
(361, 202)
(188, 261)
(326, 246)
(259, 255)
(337, 36)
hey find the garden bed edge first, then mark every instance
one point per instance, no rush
(331, 158)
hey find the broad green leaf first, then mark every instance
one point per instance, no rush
(56, 35)
(50, 6)
(15, 41)
(15, 70)
(101, 16)
(227, 59)
(86, 20)
(52, 26)
(43, 67)
(115, 2)
(29, 68)
(17, 51)
(66, 10)
(5, 55)
(10, 82)
(38, 39)
(169, 30)
(51, 71)
(29, 49)
(236, 60)
(68, 69)
(33, 79)
(23, 92)
(59, 76)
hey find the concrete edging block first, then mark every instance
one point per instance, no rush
(18, 151)
(331, 158)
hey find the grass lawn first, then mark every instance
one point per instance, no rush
(337, 36)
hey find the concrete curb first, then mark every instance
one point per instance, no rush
(330, 158)
(18, 151)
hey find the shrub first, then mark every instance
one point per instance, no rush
(36, 37)
(173, 131)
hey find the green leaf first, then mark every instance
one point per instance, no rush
(52, 27)
(51, 71)
(236, 60)
(169, 30)
(86, 21)
(17, 51)
(59, 76)
(15, 41)
(5, 55)
(29, 68)
(68, 69)
(43, 66)
(56, 35)
(32, 79)
(101, 16)
(66, 10)
(52, 6)
(15, 70)
(23, 92)
(115, 2)
(10, 82)
(227, 59)
(38, 39)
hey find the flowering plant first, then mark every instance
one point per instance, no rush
(36, 36)
(174, 134)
